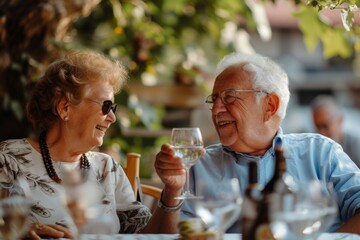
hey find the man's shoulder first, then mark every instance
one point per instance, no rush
(306, 139)
(305, 136)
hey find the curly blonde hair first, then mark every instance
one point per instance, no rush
(71, 77)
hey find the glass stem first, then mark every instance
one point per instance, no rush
(187, 182)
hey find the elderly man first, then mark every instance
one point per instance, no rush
(328, 119)
(248, 104)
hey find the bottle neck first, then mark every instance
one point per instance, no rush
(280, 162)
(253, 173)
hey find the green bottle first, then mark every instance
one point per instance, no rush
(278, 193)
(252, 197)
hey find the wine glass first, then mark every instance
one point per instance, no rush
(313, 212)
(188, 145)
(83, 202)
(218, 204)
(14, 209)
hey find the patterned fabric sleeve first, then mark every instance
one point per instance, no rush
(134, 218)
(133, 215)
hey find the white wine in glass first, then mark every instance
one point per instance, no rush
(188, 145)
(313, 213)
(15, 209)
(14, 217)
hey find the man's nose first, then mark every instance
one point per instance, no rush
(218, 106)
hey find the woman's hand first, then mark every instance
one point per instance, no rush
(54, 231)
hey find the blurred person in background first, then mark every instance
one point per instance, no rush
(328, 118)
(72, 107)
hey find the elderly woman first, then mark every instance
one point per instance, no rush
(72, 107)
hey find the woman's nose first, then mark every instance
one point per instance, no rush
(111, 116)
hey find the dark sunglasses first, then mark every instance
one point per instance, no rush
(106, 105)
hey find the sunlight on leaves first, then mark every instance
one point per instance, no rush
(335, 44)
(347, 18)
(311, 26)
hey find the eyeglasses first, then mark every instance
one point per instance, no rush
(228, 96)
(106, 105)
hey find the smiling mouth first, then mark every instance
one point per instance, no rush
(222, 123)
(103, 129)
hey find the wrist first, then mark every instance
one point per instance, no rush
(169, 207)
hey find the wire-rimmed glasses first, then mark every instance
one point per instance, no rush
(228, 96)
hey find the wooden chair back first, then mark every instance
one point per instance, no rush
(132, 171)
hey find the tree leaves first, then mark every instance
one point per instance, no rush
(311, 26)
(315, 31)
(335, 44)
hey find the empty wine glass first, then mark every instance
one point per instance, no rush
(14, 209)
(188, 145)
(218, 205)
(313, 212)
(83, 202)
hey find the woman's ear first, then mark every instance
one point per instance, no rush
(63, 109)
(272, 104)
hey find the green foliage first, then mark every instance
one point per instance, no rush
(335, 44)
(335, 40)
(309, 17)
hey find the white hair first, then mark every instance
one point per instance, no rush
(267, 76)
(328, 103)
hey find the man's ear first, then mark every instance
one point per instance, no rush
(272, 103)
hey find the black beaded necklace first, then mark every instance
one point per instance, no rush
(84, 162)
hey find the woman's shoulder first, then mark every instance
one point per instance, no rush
(101, 159)
(17, 145)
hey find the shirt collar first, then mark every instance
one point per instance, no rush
(243, 157)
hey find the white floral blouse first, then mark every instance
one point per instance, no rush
(105, 176)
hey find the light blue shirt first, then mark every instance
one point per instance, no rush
(308, 157)
(351, 145)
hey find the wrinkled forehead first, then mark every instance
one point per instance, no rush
(235, 77)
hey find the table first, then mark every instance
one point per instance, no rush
(324, 236)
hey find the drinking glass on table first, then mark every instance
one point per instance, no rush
(83, 201)
(15, 206)
(218, 205)
(312, 213)
(188, 145)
